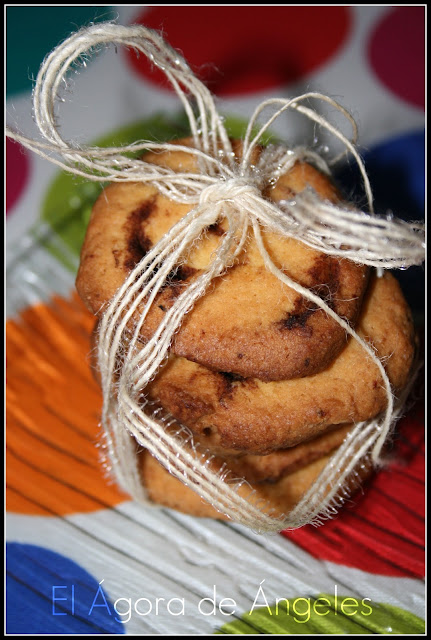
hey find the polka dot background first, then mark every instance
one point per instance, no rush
(81, 557)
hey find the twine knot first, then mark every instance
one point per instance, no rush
(233, 190)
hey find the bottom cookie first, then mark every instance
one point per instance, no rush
(276, 497)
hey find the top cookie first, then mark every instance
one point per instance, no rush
(248, 323)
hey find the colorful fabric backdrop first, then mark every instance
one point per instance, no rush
(81, 556)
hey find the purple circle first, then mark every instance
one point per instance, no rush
(17, 173)
(396, 53)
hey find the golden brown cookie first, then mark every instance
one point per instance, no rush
(251, 416)
(258, 468)
(248, 323)
(278, 497)
(273, 466)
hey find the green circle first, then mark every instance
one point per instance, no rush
(325, 614)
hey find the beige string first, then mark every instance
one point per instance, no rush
(222, 188)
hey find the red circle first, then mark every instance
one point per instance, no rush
(244, 49)
(17, 172)
(382, 531)
(396, 52)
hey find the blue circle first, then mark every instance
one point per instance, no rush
(47, 593)
(396, 169)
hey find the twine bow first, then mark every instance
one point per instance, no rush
(223, 187)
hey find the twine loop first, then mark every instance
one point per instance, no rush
(231, 188)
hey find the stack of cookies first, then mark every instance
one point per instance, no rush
(262, 378)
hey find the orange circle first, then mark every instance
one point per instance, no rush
(53, 404)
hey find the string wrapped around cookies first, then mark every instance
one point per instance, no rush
(220, 220)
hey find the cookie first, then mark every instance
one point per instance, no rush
(277, 498)
(257, 468)
(254, 417)
(273, 466)
(248, 324)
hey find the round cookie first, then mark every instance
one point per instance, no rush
(277, 498)
(248, 323)
(273, 466)
(258, 468)
(251, 416)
